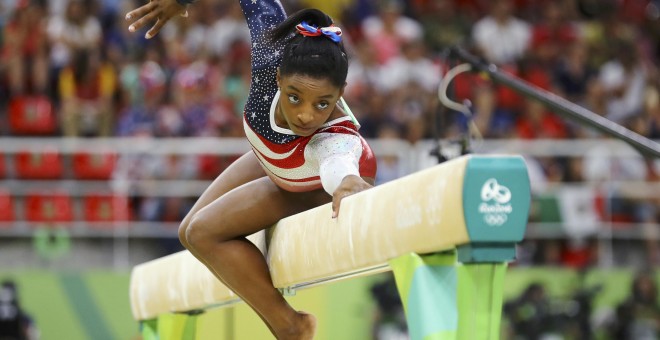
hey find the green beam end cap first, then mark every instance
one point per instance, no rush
(496, 198)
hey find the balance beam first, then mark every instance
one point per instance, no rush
(476, 206)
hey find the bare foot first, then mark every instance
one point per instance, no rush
(303, 330)
(307, 326)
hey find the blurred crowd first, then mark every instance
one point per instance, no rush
(191, 79)
(536, 314)
(76, 60)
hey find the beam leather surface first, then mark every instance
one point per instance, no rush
(420, 213)
(178, 283)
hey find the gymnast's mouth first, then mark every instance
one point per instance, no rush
(303, 130)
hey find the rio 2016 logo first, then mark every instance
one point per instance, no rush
(495, 203)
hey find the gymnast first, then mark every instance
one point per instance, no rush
(306, 150)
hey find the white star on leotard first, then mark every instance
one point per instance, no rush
(256, 80)
(254, 2)
(266, 97)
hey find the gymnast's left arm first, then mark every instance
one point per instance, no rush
(339, 156)
(350, 184)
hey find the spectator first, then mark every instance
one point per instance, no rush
(389, 28)
(443, 25)
(87, 88)
(232, 81)
(410, 80)
(595, 31)
(140, 117)
(389, 167)
(499, 36)
(335, 9)
(15, 323)
(551, 35)
(412, 66)
(652, 111)
(573, 73)
(530, 314)
(76, 30)
(186, 40)
(594, 100)
(365, 74)
(228, 30)
(390, 319)
(25, 50)
(624, 80)
(375, 111)
(638, 318)
(537, 122)
(492, 119)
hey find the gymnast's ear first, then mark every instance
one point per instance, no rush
(341, 90)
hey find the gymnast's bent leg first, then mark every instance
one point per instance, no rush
(217, 233)
(245, 169)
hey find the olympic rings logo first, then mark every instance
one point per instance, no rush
(495, 213)
(491, 190)
(495, 219)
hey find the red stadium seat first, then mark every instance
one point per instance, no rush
(3, 166)
(94, 166)
(48, 207)
(32, 115)
(45, 164)
(209, 166)
(6, 207)
(105, 208)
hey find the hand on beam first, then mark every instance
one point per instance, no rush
(350, 185)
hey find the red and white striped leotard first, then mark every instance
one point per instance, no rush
(295, 163)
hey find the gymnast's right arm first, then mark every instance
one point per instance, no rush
(160, 11)
(261, 15)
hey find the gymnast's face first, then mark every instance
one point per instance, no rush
(305, 102)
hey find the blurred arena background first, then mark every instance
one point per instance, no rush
(107, 138)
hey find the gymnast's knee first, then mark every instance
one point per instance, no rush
(183, 227)
(202, 231)
(196, 232)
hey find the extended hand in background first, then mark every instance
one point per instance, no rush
(349, 185)
(160, 11)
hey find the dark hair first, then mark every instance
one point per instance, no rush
(317, 57)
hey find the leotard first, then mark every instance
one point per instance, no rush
(295, 163)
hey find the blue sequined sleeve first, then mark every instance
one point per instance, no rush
(262, 16)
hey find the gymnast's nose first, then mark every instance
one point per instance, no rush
(305, 118)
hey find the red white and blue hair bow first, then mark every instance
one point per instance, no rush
(332, 32)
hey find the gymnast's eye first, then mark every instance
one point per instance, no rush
(293, 99)
(322, 105)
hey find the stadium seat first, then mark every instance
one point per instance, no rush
(49, 207)
(105, 208)
(32, 115)
(94, 166)
(6, 207)
(209, 166)
(3, 166)
(45, 164)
